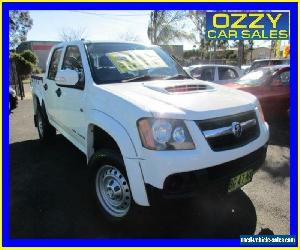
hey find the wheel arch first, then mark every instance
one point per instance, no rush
(104, 124)
(119, 137)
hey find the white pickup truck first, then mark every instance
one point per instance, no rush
(148, 130)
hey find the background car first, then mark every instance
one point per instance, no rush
(245, 69)
(13, 99)
(214, 73)
(271, 85)
(268, 62)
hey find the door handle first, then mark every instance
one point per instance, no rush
(58, 92)
(45, 86)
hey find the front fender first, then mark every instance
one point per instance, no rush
(112, 127)
(130, 156)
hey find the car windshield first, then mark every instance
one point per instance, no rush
(256, 77)
(264, 63)
(125, 62)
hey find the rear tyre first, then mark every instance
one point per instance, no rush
(46, 131)
(110, 186)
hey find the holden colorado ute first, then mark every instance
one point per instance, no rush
(149, 131)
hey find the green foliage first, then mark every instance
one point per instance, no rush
(24, 67)
(26, 63)
(191, 53)
(29, 56)
(20, 23)
(37, 70)
(166, 26)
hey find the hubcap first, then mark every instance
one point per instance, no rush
(113, 191)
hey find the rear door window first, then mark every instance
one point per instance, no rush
(205, 74)
(227, 73)
(53, 67)
(208, 74)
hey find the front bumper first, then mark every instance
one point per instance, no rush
(213, 179)
(158, 165)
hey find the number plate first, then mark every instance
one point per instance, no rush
(240, 180)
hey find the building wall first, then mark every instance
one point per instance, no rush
(40, 48)
(259, 53)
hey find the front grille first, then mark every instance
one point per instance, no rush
(228, 140)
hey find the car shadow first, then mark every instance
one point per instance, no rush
(280, 170)
(50, 198)
(280, 133)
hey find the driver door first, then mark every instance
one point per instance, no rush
(71, 97)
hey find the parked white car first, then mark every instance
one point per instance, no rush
(147, 129)
(13, 99)
(220, 74)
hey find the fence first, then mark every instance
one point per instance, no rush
(14, 80)
(195, 61)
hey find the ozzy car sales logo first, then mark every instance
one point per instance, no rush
(247, 25)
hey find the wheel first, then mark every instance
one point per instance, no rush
(110, 186)
(46, 131)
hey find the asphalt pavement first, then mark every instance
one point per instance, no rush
(50, 198)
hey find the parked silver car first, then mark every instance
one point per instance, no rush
(214, 73)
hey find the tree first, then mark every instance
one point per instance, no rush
(166, 26)
(71, 34)
(24, 67)
(241, 54)
(251, 44)
(240, 44)
(20, 23)
(29, 56)
(199, 20)
(26, 63)
(129, 36)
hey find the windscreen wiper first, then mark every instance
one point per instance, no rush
(140, 78)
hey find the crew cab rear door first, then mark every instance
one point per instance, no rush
(71, 97)
(49, 85)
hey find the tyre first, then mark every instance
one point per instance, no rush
(110, 186)
(46, 131)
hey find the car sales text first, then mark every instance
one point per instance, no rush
(252, 26)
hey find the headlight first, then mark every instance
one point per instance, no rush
(162, 131)
(179, 135)
(164, 134)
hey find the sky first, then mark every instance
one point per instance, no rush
(98, 25)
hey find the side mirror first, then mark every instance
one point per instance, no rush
(67, 77)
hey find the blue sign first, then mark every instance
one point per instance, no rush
(247, 25)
